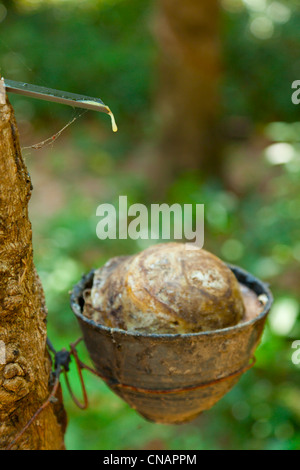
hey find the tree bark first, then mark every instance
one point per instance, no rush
(188, 33)
(25, 375)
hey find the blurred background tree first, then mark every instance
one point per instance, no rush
(188, 98)
(114, 49)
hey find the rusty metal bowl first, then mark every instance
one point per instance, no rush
(172, 378)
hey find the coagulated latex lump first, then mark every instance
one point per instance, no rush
(167, 288)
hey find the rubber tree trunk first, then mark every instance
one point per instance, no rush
(188, 33)
(25, 369)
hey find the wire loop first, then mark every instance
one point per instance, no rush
(62, 361)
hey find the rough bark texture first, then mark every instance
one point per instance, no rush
(188, 34)
(25, 378)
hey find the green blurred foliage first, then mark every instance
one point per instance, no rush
(106, 49)
(261, 58)
(100, 50)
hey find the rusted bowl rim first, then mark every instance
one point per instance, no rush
(243, 277)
